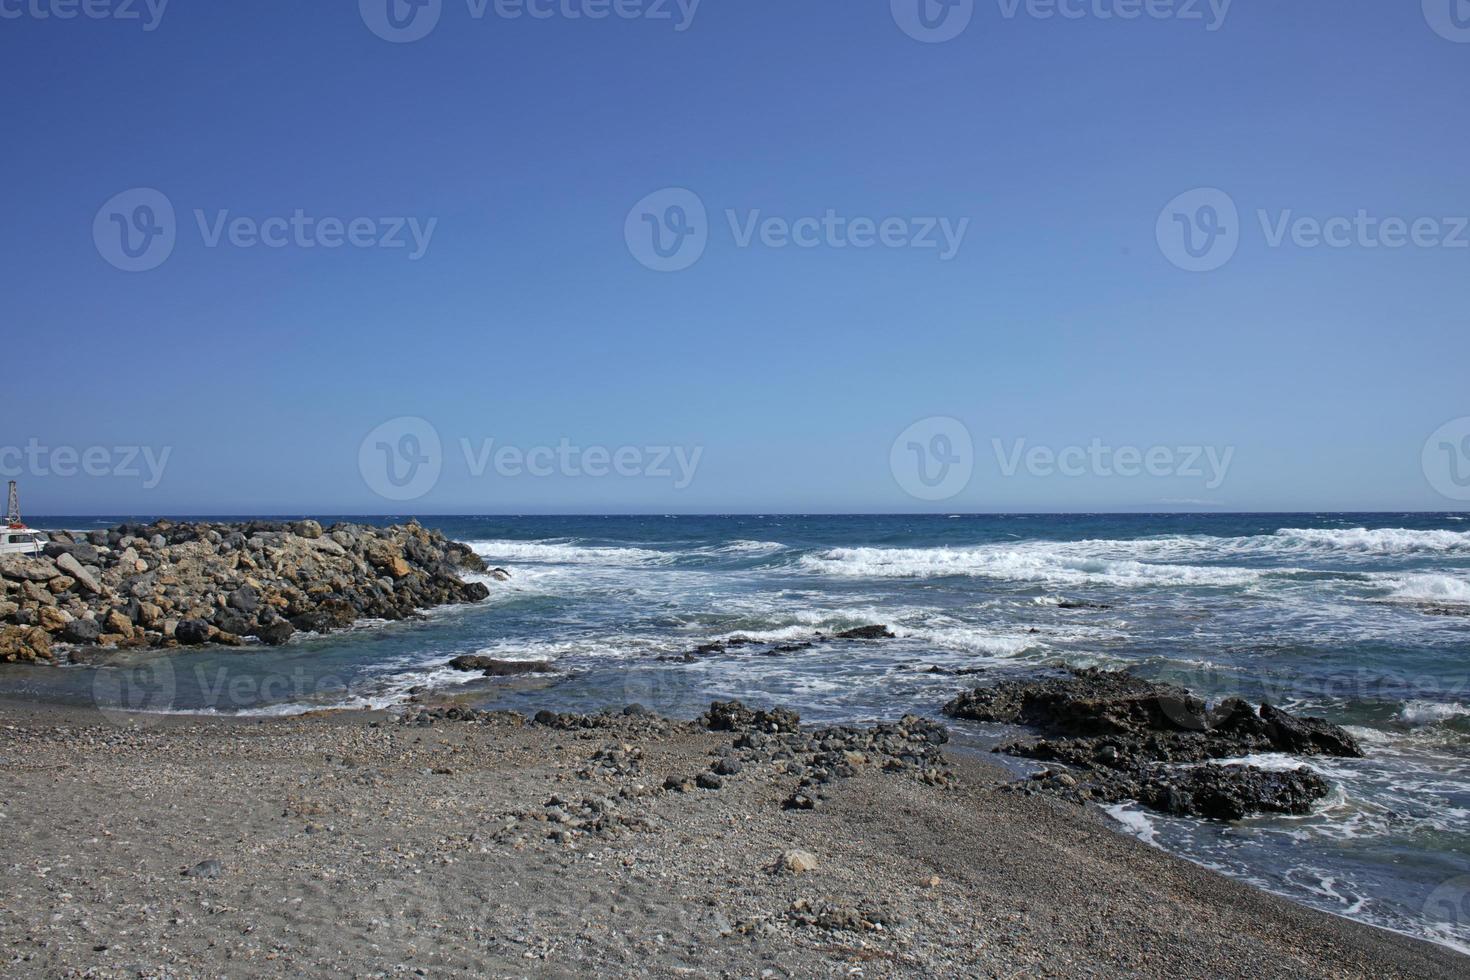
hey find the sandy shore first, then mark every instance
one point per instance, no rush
(352, 845)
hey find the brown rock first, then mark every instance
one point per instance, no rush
(116, 622)
(24, 644)
(52, 619)
(74, 568)
(798, 862)
(25, 569)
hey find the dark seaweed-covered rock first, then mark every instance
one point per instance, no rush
(192, 632)
(867, 633)
(1210, 791)
(1089, 702)
(1307, 736)
(1135, 739)
(491, 667)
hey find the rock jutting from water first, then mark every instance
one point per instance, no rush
(170, 584)
(1126, 738)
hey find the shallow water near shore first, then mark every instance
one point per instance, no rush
(1363, 619)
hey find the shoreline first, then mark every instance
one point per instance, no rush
(445, 835)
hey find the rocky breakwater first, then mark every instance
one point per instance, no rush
(1121, 737)
(170, 584)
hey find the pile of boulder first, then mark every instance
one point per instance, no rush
(1121, 737)
(168, 584)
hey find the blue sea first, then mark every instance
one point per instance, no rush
(1361, 618)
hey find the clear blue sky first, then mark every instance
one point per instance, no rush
(528, 319)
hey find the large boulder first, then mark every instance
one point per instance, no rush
(1307, 736)
(193, 632)
(274, 633)
(244, 599)
(1086, 703)
(81, 630)
(24, 568)
(310, 530)
(69, 564)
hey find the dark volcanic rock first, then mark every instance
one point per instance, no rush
(1232, 792)
(491, 667)
(732, 716)
(866, 633)
(1307, 736)
(274, 634)
(81, 631)
(1089, 702)
(1135, 739)
(192, 632)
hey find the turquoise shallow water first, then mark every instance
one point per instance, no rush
(1342, 615)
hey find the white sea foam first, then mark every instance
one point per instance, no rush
(1135, 822)
(566, 552)
(751, 548)
(1054, 563)
(1431, 712)
(1429, 588)
(1378, 541)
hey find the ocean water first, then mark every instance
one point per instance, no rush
(1361, 618)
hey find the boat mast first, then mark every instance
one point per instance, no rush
(14, 506)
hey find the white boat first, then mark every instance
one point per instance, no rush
(15, 537)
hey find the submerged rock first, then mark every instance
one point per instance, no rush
(867, 633)
(491, 667)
